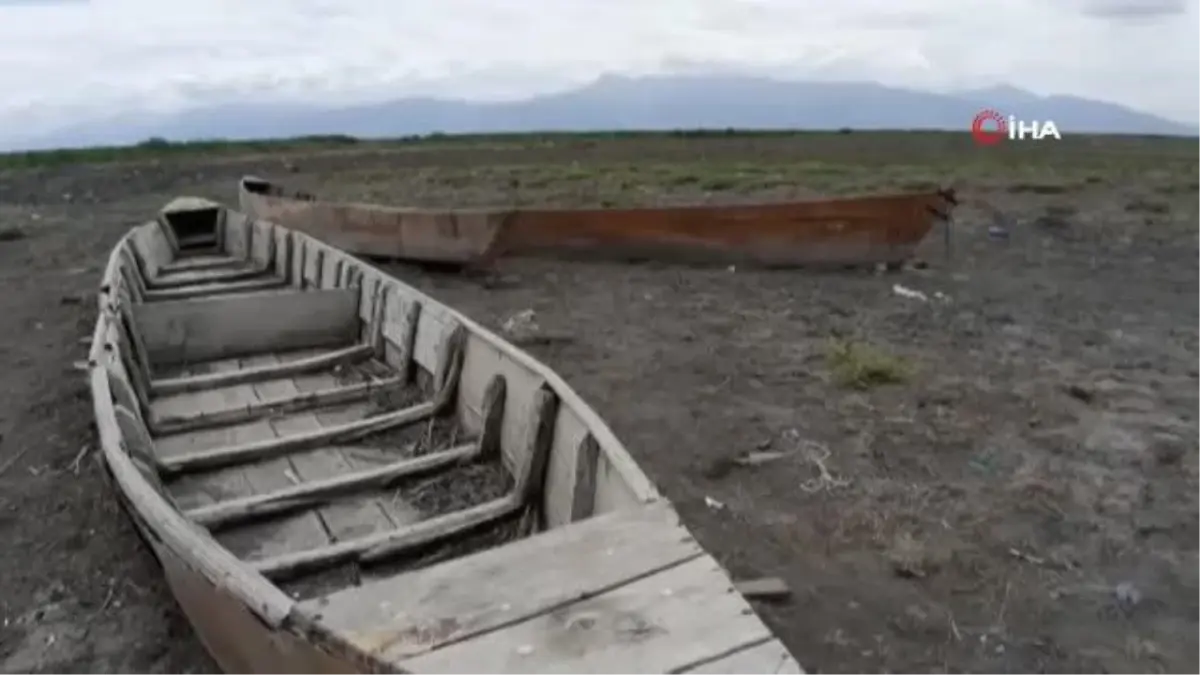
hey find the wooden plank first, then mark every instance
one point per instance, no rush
(374, 547)
(151, 246)
(531, 481)
(657, 624)
(313, 492)
(434, 324)
(583, 502)
(175, 415)
(352, 517)
(401, 316)
(768, 657)
(239, 325)
(213, 290)
(200, 262)
(481, 361)
(413, 613)
(243, 452)
(295, 532)
(262, 245)
(363, 458)
(567, 469)
(310, 362)
(200, 277)
(235, 234)
(172, 446)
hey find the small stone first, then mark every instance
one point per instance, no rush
(1167, 449)
(1128, 595)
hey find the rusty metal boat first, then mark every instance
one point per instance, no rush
(339, 473)
(847, 231)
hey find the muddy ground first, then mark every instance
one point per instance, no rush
(999, 478)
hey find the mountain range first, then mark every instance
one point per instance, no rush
(625, 103)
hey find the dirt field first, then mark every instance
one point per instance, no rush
(999, 478)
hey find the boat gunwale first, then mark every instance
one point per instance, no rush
(500, 210)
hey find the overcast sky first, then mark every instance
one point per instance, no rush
(60, 58)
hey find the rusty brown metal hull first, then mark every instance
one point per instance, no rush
(848, 231)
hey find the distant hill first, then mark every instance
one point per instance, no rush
(625, 103)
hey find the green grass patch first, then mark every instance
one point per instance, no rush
(859, 365)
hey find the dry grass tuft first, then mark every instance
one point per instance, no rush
(862, 366)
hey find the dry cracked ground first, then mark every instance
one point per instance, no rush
(997, 476)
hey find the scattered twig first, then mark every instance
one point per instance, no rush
(760, 457)
(112, 590)
(765, 588)
(816, 453)
(427, 441)
(999, 621)
(12, 461)
(953, 626)
(75, 463)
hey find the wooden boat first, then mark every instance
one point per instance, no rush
(850, 231)
(340, 474)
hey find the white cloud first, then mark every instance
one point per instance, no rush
(62, 58)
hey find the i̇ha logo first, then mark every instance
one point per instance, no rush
(990, 127)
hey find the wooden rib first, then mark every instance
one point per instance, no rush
(300, 282)
(405, 367)
(382, 545)
(168, 233)
(247, 235)
(310, 364)
(260, 450)
(208, 290)
(583, 493)
(377, 316)
(285, 404)
(529, 484)
(417, 534)
(234, 511)
(318, 268)
(197, 278)
(493, 417)
(198, 264)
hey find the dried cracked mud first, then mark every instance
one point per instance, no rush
(1021, 498)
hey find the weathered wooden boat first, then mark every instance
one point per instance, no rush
(849, 231)
(340, 474)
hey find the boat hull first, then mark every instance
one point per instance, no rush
(246, 421)
(851, 231)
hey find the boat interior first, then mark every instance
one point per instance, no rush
(427, 497)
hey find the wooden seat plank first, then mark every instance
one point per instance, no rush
(284, 535)
(412, 613)
(397, 510)
(346, 518)
(657, 624)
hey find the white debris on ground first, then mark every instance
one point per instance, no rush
(522, 323)
(913, 294)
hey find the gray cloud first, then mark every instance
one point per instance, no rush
(66, 58)
(1134, 9)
